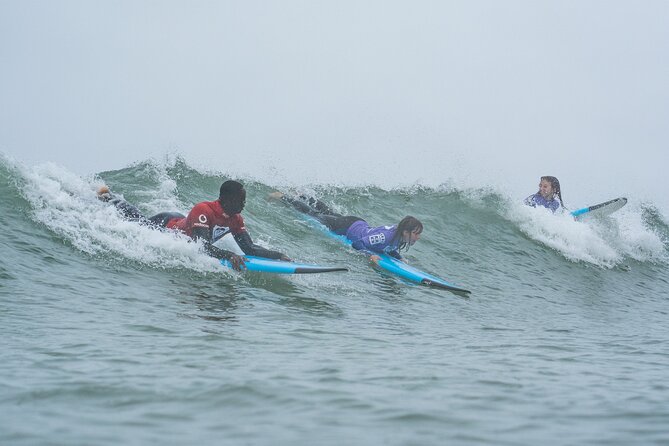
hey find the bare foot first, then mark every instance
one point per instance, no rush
(104, 193)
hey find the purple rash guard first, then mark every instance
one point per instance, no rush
(371, 239)
(537, 200)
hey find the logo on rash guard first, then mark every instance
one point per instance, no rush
(377, 238)
(202, 218)
(218, 232)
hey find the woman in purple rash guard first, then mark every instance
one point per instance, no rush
(380, 239)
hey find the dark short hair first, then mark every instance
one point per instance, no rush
(231, 187)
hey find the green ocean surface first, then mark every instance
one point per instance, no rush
(114, 333)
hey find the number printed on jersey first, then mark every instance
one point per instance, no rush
(377, 238)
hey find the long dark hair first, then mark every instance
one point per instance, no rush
(555, 184)
(408, 223)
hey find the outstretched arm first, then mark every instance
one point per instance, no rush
(375, 258)
(244, 241)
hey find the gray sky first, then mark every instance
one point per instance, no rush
(488, 92)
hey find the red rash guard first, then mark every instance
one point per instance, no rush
(208, 214)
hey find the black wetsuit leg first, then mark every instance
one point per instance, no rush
(335, 222)
(128, 211)
(338, 224)
(160, 220)
(309, 206)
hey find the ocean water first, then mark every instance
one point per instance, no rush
(117, 334)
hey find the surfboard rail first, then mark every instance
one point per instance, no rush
(415, 275)
(264, 265)
(601, 209)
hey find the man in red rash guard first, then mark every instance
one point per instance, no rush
(211, 220)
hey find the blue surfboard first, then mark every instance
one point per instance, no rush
(395, 266)
(600, 209)
(261, 264)
(408, 272)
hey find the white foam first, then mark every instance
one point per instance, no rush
(67, 205)
(605, 242)
(635, 238)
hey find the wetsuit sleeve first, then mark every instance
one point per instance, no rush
(244, 241)
(396, 254)
(204, 234)
(554, 205)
